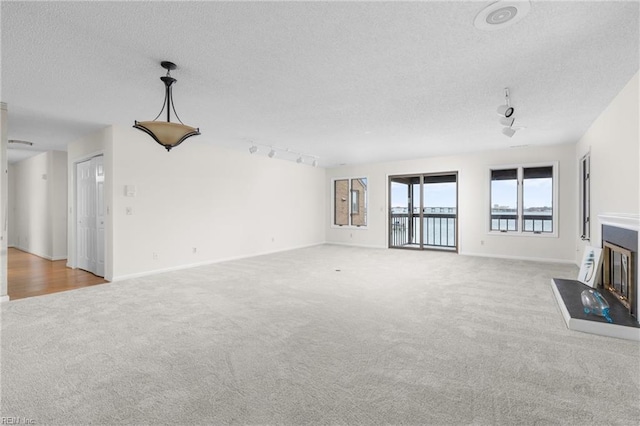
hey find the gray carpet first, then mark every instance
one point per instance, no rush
(324, 335)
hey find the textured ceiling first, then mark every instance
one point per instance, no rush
(349, 82)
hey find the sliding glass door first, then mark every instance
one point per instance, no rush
(423, 211)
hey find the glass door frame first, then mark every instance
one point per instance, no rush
(421, 178)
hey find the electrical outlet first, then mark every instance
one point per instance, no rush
(195, 250)
(129, 210)
(155, 256)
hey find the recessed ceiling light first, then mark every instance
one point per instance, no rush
(501, 14)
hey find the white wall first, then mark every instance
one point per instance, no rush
(57, 197)
(225, 203)
(12, 238)
(32, 225)
(4, 197)
(473, 202)
(613, 140)
(38, 219)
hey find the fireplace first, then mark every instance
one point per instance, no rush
(618, 284)
(620, 264)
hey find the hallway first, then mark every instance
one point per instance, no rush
(30, 275)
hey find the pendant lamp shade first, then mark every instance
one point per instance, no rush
(166, 133)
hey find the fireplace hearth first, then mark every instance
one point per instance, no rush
(618, 283)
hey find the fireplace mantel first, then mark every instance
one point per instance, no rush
(621, 220)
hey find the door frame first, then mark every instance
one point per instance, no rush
(421, 177)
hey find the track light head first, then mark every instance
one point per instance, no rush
(315, 163)
(299, 160)
(253, 149)
(272, 153)
(508, 131)
(505, 111)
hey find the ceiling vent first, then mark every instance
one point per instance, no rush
(501, 14)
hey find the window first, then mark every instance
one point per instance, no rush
(585, 197)
(523, 200)
(350, 202)
(504, 200)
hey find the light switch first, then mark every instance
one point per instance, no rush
(130, 190)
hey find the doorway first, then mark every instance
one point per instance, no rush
(90, 250)
(423, 211)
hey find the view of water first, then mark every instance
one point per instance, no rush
(440, 231)
(535, 220)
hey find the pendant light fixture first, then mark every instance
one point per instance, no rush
(166, 133)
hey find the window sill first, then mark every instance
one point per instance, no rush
(349, 227)
(524, 234)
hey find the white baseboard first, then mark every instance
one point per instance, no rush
(42, 255)
(4, 299)
(528, 258)
(207, 262)
(334, 243)
(35, 253)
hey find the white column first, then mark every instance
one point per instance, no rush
(4, 209)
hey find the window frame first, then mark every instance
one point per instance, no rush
(584, 197)
(519, 231)
(362, 203)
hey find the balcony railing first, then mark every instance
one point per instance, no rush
(532, 222)
(439, 229)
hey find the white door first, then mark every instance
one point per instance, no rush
(90, 216)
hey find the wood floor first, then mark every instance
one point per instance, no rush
(29, 275)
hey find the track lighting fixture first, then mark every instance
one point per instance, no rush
(506, 110)
(507, 118)
(19, 142)
(283, 153)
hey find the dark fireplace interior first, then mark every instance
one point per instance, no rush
(620, 250)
